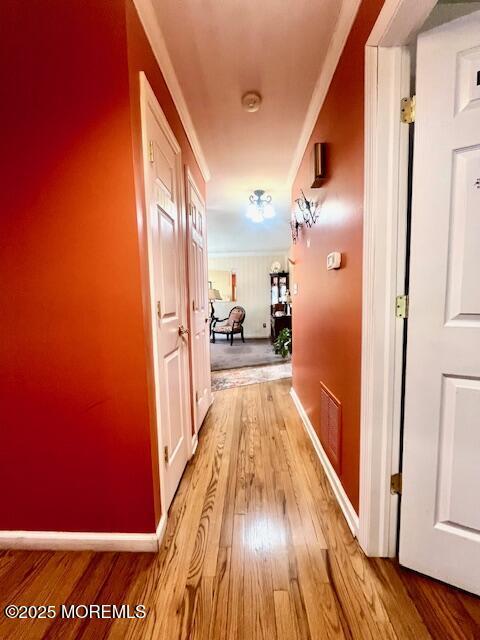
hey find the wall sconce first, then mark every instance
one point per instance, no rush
(306, 212)
(309, 210)
(319, 161)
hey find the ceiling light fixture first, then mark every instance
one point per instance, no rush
(260, 207)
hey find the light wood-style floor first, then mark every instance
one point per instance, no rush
(256, 547)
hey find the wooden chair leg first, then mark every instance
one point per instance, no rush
(231, 338)
(241, 333)
(213, 337)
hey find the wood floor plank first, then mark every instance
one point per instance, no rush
(221, 585)
(235, 601)
(225, 429)
(440, 607)
(284, 616)
(256, 546)
(338, 536)
(52, 586)
(226, 533)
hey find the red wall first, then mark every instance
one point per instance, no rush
(76, 399)
(327, 308)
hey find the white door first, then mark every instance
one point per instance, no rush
(199, 316)
(440, 509)
(168, 291)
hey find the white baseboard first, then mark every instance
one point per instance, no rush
(83, 541)
(194, 444)
(346, 506)
(161, 528)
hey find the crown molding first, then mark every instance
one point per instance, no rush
(280, 253)
(155, 37)
(344, 24)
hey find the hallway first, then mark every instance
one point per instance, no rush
(256, 547)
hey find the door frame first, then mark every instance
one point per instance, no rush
(148, 97)
(191, 184)
(387, 81)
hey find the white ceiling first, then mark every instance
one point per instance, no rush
(221, 49)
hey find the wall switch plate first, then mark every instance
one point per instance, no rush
(295, 288)
(334, 260)
(308, 243)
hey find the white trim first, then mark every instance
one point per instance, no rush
(387, 80)
(161, 528)
(147, 94)
(156, 39)
(399, 22)
(84, 541)
(342, 498)
(387, 77)
(247, 254)
(346, 17)
(79, 541)
(194, 443)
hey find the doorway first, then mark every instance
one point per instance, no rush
(246, 291)
(437, 414)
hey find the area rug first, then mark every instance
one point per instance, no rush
(229, 378)
(251, 353)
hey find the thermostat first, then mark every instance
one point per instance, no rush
(334, 260)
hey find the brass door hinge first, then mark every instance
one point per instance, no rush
(407, 110)
(396, 484)
(151, 152)
(401, 307)
(165, 454)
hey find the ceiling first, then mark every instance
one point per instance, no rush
(220, 49)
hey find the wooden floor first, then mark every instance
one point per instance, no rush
(256, 547)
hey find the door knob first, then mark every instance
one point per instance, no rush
(182, 330)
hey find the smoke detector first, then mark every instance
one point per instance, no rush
(251, 101)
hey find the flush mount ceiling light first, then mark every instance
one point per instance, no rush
(251, 101)
(260, 206)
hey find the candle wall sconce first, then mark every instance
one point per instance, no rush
(305, 213)
(309, 209)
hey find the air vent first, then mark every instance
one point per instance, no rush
(331, 426)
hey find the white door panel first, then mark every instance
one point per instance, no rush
(166, 248)
(199, 315)
(440, 509)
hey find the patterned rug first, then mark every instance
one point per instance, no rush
(229, 378)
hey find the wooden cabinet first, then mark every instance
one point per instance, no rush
(279, 307)
(278, 323)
